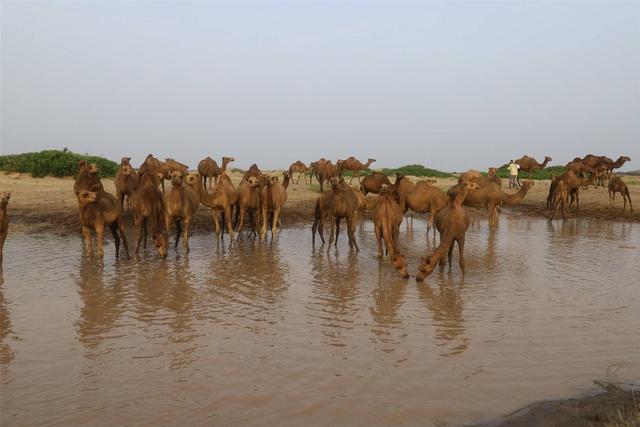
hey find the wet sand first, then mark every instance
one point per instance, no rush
(49, 205)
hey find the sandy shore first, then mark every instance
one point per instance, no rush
(49, 204)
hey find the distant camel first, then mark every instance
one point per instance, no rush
(574, 182)
(326, 171)
(617, 185)
(373, 183)
(248, 202)
(530, 165)
(301, 169)
(126, 181)
(354, 165)
(208, 168)
(560, 200)
(167, 168)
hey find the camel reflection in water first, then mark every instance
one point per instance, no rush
(6, 352)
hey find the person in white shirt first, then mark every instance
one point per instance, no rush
(513, 174)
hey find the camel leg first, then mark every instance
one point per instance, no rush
(125, 243)
(240, 222)
(461, 253)
(88, 240)
(351, 231)
(432, 216)
(337, 231)
(629, 197)
(227, 214)
(178, 231)
(610, 199)
(162, 183)
(2, 238)
(216, 222)
(141, 227)
(577, 200)
(276, 222)
(185, 240)
(146, 233)
(116, 239)
(100, 240)
(450, 254)
(321, 227)
(379, 241)
(265, 222)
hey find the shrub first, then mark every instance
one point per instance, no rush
(538, 174)
(417, 170)
(54, 162)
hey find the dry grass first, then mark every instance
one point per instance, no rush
(627, 417)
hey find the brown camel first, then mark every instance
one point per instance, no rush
(387, 218)
(618, 163)
(574, 182)
(248, 201)
(167, 168)
(180, 204)
(326, 171)
(221, 200)
(314, 167)
(452, 223)
(253, 170)
(617, 185)
(344, 204)
(150, 165)
(354, 165)
(492, 176)
(4, 222)
(373, 183)
(301, 169)
(560, 200)
(273, 196)
(490, 197)
(88, 177)
(286, 179)
(402, 187)
(530, 165)
(581, 167)
(424, 198)
(148, 214)
(126, 181)
(97, 210)
(473, 175)
(322, 211)
(208, 168)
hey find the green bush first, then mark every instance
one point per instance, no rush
(538, 174)
(417, 170)
(54, 162)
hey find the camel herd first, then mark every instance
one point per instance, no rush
(260, 198)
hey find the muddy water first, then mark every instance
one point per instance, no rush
(280, 334)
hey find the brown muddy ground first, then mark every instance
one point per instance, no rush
(48, 204)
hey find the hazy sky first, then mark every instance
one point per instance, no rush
(449, 85)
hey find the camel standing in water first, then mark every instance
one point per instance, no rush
(530, 165)
(166, 169)
(344, 204)
(208, 168)
(249, 201)
(424, 198)
(148, 214)
(574, 182)
(490, 197)
(452, 223)
(180, 204)
(4, 222)
(126, 181)
(617, 185)
(272, 198)
(222, 200)
(354, 165)
(560, 200)
(387, 218)
(301, 169)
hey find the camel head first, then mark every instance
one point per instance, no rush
(193, 179)
(4, 200)
(526, 186)
(371, 161)
(159, 176)
(127, 169)
(426, 268)
(547, 159)
(161, 241)
(400, 264)
(334, 182)
(252, 181)
(93, 169)
(228, 159)
(125, 161)
(85, 197)
(176, 178)
(273, 180)
(82, 164)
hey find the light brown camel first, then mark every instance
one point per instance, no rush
(314, 167)
(387, 218)
(4, 222)
(97, 210)
(88, 177)
(286, 179)
(354, 165)
(424, 198)
(150, 165)
(617, 185)
(492, 176)
(126, 181)
(253, 170)
(373, 183)
(530, 165)
(148, 214)
(473, 175)
(490, 197)
(452, 222)
(301, 169)
(581, 167)
(248, 202)
(167, 168)
(326, 171)
(618, 163)
(344, 204)
(273, 196)
(222, 200)
(574, 182)
(560, 200)
(402, 187)
(208, 168)
(322, 211)
(180, 204)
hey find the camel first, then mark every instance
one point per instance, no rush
(301, 169)
(581, 167)
(126, 181)
(248, 201)
(4, 222)
(574, 182)
(402, 187)
(253, 170)
(167, 168)
(560, 200)
(490, 197)
(373, 183)
(452, 223)
(208, 168)
(150, 165)
(424, 198)
(322, 211)
(344, 204)
(222, 199)
(314, 168)
(88, 177)
(492, 176)
(286, 179)
(180, 204)
(617, 185)
(326, 171)
(387, 218)
(148, 214)
(473, 175)
(273, 196)
(617, 164)
(354, 165)
(530, 165)
(97, 210)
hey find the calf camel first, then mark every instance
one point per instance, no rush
(574, 182)
(167, 168)
(530, 165)
(221, 200)
(344, 204)
(387, 218)
(208, 168)
(617, 185)
(354, 165)
(148, 214)
(452, 223)
(248, 201)
(560, 200)
(87, 178)
(301, 169)
(272, 198)
(4, 222)
(424, 198)
(180, 204)
(126, 181)
(373, 183)
(98, 209)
